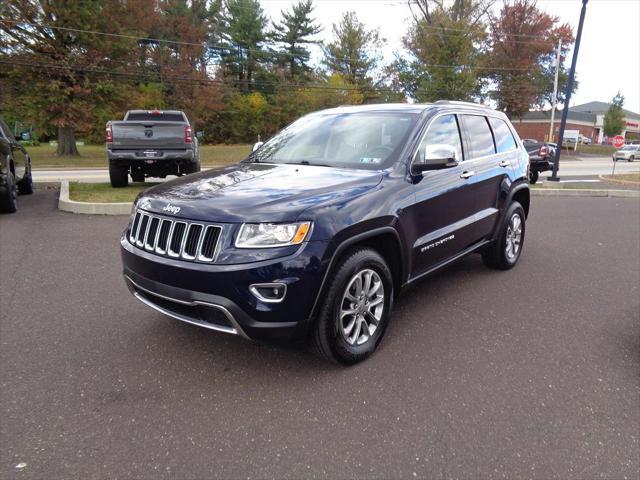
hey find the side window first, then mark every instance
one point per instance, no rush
(480, 136)
(443, 131)
(502, 135)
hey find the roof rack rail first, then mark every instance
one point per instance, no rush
(454, 102)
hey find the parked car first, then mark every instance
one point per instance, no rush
(15, 170)
(541, 159)
(628, 153)
(584, 140)
(150, 144)
(313, 235)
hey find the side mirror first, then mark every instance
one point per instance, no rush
(436, 157)
(256, 146)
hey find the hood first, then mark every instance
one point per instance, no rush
(255, 192)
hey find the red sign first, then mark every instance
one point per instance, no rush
(618, 141)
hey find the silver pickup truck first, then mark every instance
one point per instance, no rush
(150, 143)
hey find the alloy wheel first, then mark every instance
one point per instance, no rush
(513, 237)
(361, 307)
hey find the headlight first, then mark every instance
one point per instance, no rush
(265, 235)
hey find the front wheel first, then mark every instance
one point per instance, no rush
(504, 253)
(356, 309)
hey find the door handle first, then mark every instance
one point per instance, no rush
(467, 174)
(504, 164)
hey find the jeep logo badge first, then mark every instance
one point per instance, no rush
(171, 208)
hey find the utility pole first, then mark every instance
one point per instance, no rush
(565, 110)
(555, 92)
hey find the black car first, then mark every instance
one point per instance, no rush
(313, 235)
(15, 170)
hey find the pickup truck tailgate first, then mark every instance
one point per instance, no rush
(132, 135)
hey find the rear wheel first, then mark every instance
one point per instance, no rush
(118, 175)
(8, 196)
(356, 310)
(137, 176)
(25, 186)
(191, 167)
(631, 158)
(533, 176)
(504, 253)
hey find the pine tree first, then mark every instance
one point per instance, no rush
(352, 52)
(293, 32)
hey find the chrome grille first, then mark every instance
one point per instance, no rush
(174, 238)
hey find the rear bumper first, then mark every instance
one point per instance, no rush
(138, 155)
(218, 297)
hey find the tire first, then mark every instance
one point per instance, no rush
(331, 337)
(9, 196)
(497, 256)
(118, 175)
(631, 159)
(25, 186)
(533, 176)
(137, 176)
(191, 167)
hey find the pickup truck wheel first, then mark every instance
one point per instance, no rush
(137, 177)
(504, 253)
(25, 186)
(118, 175)
(193, 167)
(356, 310)
(631, 158)
(9, 195)
(533, 176)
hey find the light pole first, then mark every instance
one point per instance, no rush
(554, 176)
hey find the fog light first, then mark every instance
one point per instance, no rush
(269, 292)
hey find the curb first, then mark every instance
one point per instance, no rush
(567, 192)
(67, 205)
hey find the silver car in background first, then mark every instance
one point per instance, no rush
(628, 153)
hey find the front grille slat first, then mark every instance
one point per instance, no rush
(176, 243)
(181, 239)
(209, 242)
(142, 231)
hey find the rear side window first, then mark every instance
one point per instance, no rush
(480, 136)
(502, 135)
(155, 117)
(443, 131)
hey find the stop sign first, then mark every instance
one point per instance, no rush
(618, 141)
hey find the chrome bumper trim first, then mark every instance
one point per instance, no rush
(236, 330)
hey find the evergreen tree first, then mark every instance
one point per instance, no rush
(353, 52)
(244, 34)
(293, 32)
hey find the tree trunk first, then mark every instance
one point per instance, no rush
(67, 142)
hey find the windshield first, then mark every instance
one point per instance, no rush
(370, 140)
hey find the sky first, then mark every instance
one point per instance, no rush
(609, 55)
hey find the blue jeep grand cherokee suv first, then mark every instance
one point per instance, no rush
(311, 237)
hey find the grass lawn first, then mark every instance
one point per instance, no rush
(590, 150)
(104, 192)
(92, 156)
(625, 177)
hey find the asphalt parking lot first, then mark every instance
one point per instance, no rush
(528, 373)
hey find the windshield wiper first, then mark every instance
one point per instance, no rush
(306, 162)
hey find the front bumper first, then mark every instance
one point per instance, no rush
(217, 296)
